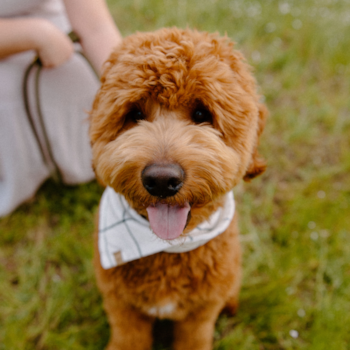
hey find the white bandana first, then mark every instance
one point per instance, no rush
(124, 235)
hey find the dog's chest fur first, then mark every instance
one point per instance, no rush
(163, 285)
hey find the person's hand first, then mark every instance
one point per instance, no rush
(53, 47)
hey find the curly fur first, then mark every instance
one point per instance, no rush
(166, 75)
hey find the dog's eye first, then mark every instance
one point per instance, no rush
(201, 115)
(135, 115)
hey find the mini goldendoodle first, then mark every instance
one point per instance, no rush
(174, 127)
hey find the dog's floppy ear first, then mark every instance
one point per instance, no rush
(257, 164)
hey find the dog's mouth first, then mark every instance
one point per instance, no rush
(168, 221)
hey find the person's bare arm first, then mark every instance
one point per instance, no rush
(95, 27)
(22, 34)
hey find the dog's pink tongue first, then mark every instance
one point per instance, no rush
(167, 221)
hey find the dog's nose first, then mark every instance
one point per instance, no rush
(163, 180)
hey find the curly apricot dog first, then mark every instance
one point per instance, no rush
(174, 127)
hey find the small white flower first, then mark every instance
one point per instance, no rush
(297, 24)
(324, 233)
(324, 12)
(270, 27)
(347, 18)
(289, 290)
(293, 333)
(254, 10)
(301, 313)
(284, 8)
(311, 225)
(256, 56)
(321, 194)
(277, 42)
(56, 278)
(314, 235)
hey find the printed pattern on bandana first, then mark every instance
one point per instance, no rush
(125, 236)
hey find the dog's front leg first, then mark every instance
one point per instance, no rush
(196, 331)
(130, 329)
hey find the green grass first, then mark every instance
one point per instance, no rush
(295, 219)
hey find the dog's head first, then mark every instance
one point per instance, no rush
(175, 125)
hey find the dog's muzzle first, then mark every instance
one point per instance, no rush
(163, 180)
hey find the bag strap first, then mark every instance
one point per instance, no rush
(75, 39)
(47, 157)
(26, 104)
